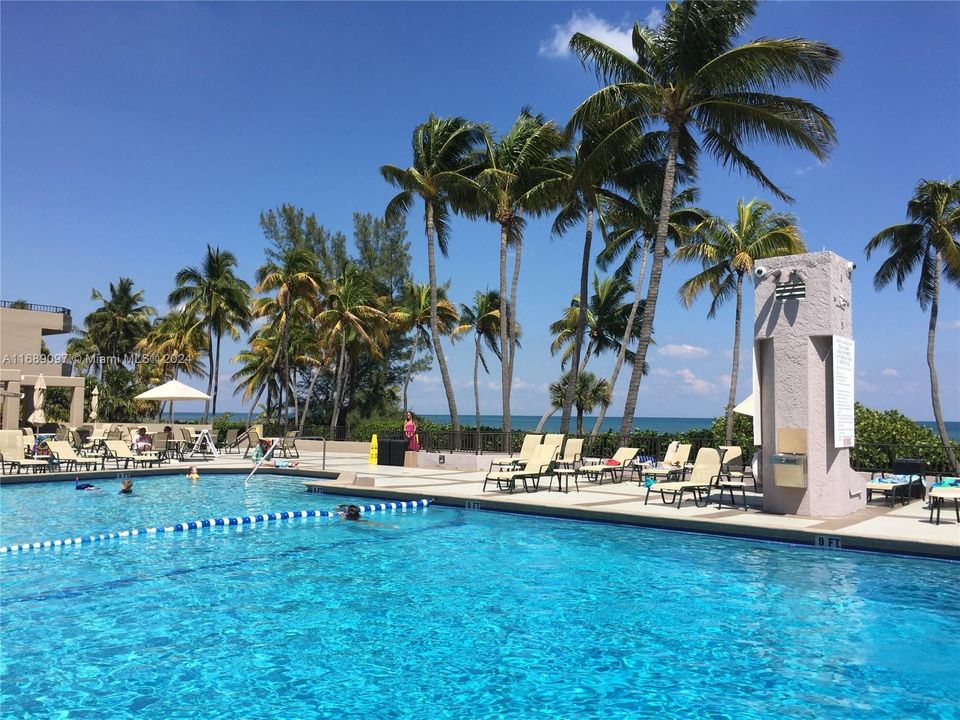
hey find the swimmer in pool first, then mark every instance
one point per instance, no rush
(192, 473)
(352, 512)
(126, 487)
(83, 486)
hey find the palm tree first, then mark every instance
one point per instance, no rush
(414, 314)
(606, 319)
(177, 340)
(293, 275)
(928, 242)
(442, 152)
(633, 227)
(257, 373)
(690, 75)
(589, 391)
(727, 252)
(83, 354)
(352, 315)
(520, 177)
(222, 300)
(483, 320)
(120, 322)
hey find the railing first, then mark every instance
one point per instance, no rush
(872, 457)
(18, 305)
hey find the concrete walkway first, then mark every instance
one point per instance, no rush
(902, 529)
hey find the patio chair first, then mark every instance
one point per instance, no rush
(253, 440)
(230, 442)
(706, 468)
(907, 474)
(732, 475)
(288, 444)
(12, 455)
(554, 439)
(162, 445)
(117, 450)
(531, 441)
(672, 468)
(536, 467)
(66, 458)
(616, 466)
(572, 453)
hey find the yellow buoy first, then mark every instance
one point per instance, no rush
(373, 450)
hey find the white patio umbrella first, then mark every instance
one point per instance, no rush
(173, 390)
(745, 407)
(38, 416)
(94, 403)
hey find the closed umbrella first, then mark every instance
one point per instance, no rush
(94, 403)
(38, 417)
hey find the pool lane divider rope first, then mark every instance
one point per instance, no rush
(210, 522)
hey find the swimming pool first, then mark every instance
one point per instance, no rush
(446, 613)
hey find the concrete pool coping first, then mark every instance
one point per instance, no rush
(903, 530)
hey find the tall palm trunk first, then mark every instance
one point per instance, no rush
(206, 403)
(934, 383)
(409, 375)
(506, 346)
(285, 400)
(627, 334)
(656, 270)
(581, 324)
(476, 386)
(579, 420)
(543, 418)
(586, 356)
(216, 376)
(434, 326)
(512, 326)
(734, 372)
(306, 401)
(338, 389)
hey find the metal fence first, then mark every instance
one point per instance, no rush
(17, 305)
(872, 457)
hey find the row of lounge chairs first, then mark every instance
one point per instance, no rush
(672, 477)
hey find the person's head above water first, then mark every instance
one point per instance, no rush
(126, 487)
(352, 512)
(192, 473)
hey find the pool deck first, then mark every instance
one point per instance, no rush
(878, 527)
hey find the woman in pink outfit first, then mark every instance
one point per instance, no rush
(410, 430)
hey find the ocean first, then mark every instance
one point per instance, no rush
(669, 425)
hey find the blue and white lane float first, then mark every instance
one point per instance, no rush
(210, 522)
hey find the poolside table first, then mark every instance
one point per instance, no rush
(940, 494)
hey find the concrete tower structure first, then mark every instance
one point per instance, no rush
(803, 385)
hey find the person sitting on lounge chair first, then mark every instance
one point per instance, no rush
(143, 441)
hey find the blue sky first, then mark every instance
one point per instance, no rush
(135, 134)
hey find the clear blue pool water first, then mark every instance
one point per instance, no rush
(445, 613)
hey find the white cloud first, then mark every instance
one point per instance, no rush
(890, 372)
(865, 385)
(696, 385)
(616, 36)
(952, 325)
(654, 19)
(809, 168)
(684, 351)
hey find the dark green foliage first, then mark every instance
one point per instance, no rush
(742, 432)
(885, 435)
(56, 404)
